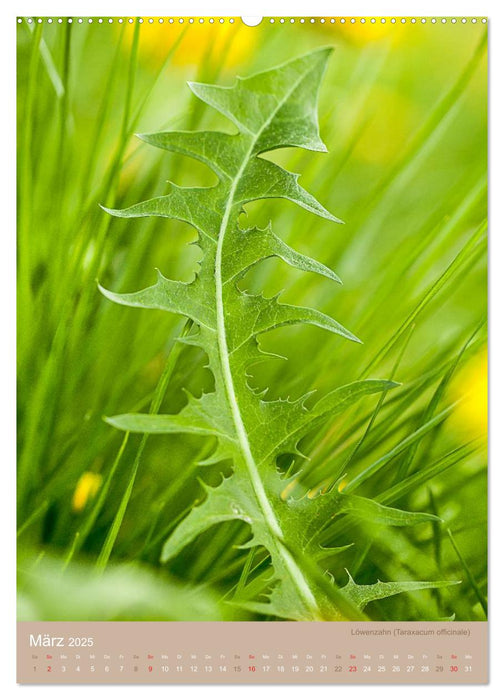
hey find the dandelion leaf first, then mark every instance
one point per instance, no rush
(270, 110)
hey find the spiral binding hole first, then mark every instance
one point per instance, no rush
(253, 21)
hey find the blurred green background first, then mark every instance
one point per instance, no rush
(403, 114)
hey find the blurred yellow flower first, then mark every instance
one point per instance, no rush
(361, 32)
(471, 387)
(86, 489)
(342, 484)
(214, 43)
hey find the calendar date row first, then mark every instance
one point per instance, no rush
(265, 668)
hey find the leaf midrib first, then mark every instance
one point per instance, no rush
(262, 498)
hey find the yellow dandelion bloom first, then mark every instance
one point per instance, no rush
(471, 387)
(213, 43)
(363, 30)
(86, 489)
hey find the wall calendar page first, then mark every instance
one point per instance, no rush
(252, 350)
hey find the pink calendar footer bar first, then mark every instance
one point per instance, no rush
(252, 652)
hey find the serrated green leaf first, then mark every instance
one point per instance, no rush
(225, 502)
(199, 417)
(258, 244)
(278, 106)
(168, 295)
(271, 110)
(361, 595)
(328, 505)
(371, 511)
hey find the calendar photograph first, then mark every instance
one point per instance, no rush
(252, 335)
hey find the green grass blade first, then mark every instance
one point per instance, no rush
(405, 464)
(472, 247)
(106, 551)
(468, 572)
(400, 447)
